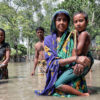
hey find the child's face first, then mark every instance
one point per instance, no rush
(79, 22)
(40, 34)
(61, 22)
(1, 36)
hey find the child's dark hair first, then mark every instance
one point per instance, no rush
(39, 28)
(82, 12)
(4, 34)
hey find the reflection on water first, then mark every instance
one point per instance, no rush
(21, 86)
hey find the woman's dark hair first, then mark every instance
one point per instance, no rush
(4, 34)
(39, 28)
(82, 12)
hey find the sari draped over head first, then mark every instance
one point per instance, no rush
(55, 51)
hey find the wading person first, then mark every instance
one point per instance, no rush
(4, 55)
(39, 59)
(58, 54)
(80, 20)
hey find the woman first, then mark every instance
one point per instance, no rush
(58, 54)
(4, 55)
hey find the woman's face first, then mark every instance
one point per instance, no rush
(1, 36)
(61, 22)
(79, 22)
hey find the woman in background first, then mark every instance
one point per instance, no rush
(4, 55)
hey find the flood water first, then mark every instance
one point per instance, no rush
(21, 85)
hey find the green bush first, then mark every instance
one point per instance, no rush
(23, 49)
(13, 52)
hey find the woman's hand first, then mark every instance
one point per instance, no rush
(2, 65)
(85, 61)
(78, 69)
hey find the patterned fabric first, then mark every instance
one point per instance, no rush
(41, 67)
(79, 84)
(53, 52)
(3, 71)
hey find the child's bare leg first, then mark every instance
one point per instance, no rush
(69, 89)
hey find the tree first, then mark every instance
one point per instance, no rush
(91, 7)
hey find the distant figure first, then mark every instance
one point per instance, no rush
(4, 55)
(39, 59)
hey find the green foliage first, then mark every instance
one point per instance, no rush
(25, 15)
(23, 49)
(90, 7)
(13, 52)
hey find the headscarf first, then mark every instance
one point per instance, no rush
(53, 26)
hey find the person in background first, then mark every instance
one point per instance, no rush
(4, 55)
(39, 59)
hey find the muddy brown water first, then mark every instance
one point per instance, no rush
(21, 85)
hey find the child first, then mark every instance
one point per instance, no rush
(80, 20)
(39, 52)
(4, 55)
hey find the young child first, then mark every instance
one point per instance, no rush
(39, 59)
(80, 20)
(4, 55)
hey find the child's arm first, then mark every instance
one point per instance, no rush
(81, 44)
(35, 61)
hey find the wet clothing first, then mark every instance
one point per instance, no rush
(55, 51)
(41, 67)
(4, 73)
(69, 75)
(3, 70)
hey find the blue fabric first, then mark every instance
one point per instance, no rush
(68, 76)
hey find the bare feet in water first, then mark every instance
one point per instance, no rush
(86, 94)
